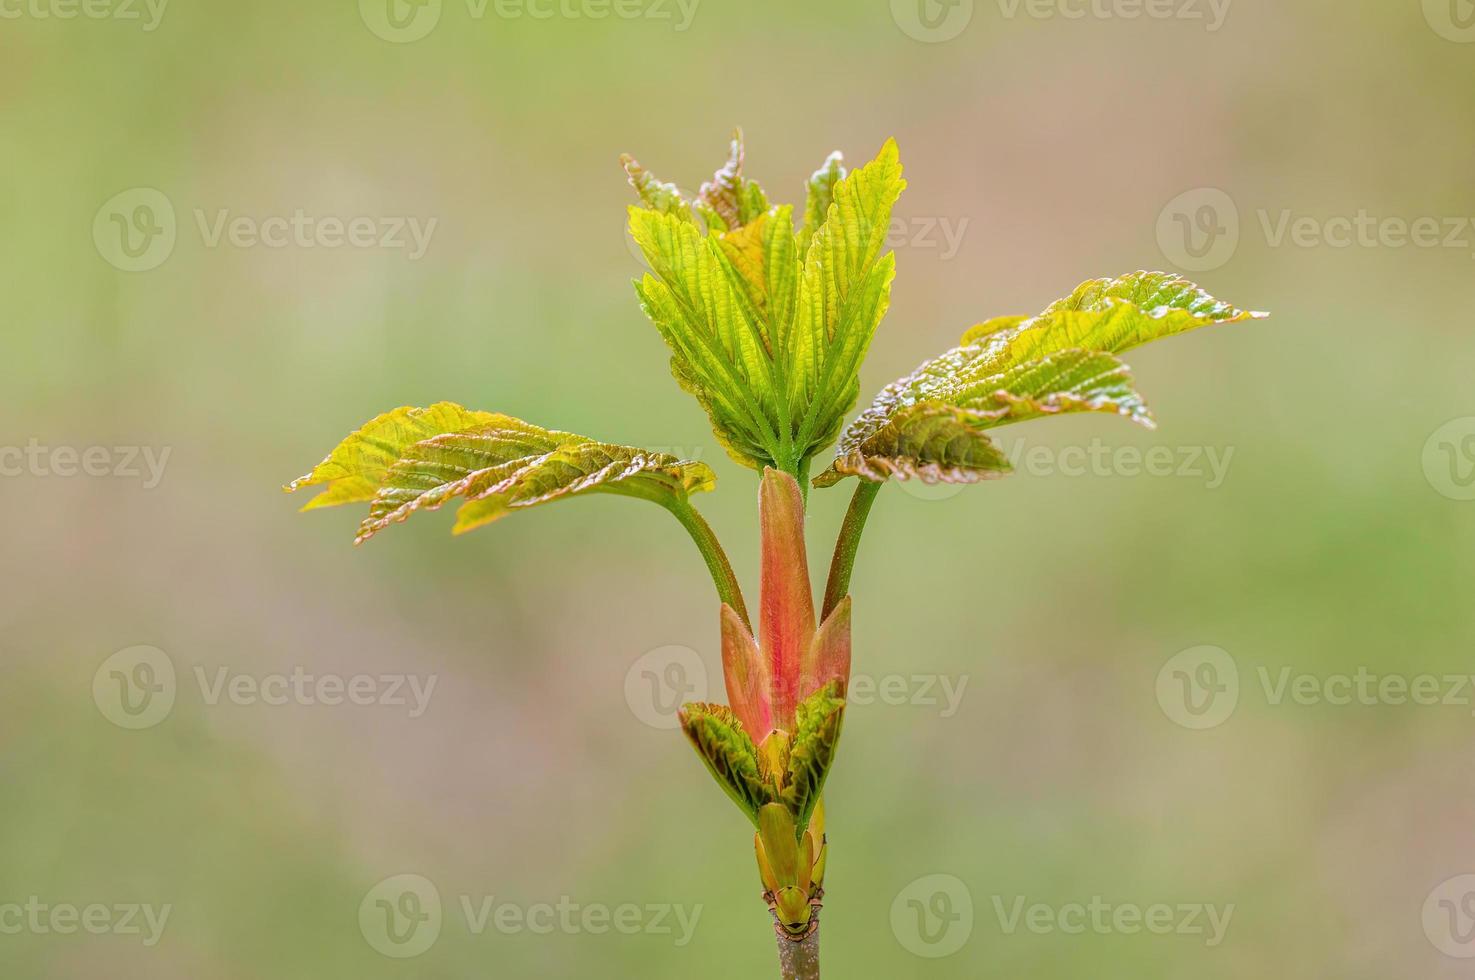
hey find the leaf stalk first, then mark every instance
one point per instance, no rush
(847, 543)
(706, 541)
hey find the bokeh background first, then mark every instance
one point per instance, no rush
(1055, 148)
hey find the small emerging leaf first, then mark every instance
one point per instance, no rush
(718, 737)
(821, 193)
(657, 195)
(812, 751)
(729, 200)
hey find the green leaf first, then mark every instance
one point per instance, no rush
(767, 328)
(820, 194)
(729, 754)
(356, 469)
(1109, 315)
(812, 751)
(929, 424)
(845, 292)
(716, 337)
(496, 462)
(931, 442)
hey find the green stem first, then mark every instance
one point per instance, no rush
(706, 541)
(799, 961)
(846, 544)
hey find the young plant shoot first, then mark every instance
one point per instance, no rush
(767, 325)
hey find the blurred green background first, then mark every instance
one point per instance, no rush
(1055, 148)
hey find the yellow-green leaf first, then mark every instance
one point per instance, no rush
(928, 424)
(496, 462)
(843, 296)
(357, 468)
(716, 338)
(816, 738)
(728, 752)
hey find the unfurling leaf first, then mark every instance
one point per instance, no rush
(417, 459)
(930, 423)
(812, 751)
(729, 200)
(728, 751)
(657, 195)
(821, 193)
(767, 328)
